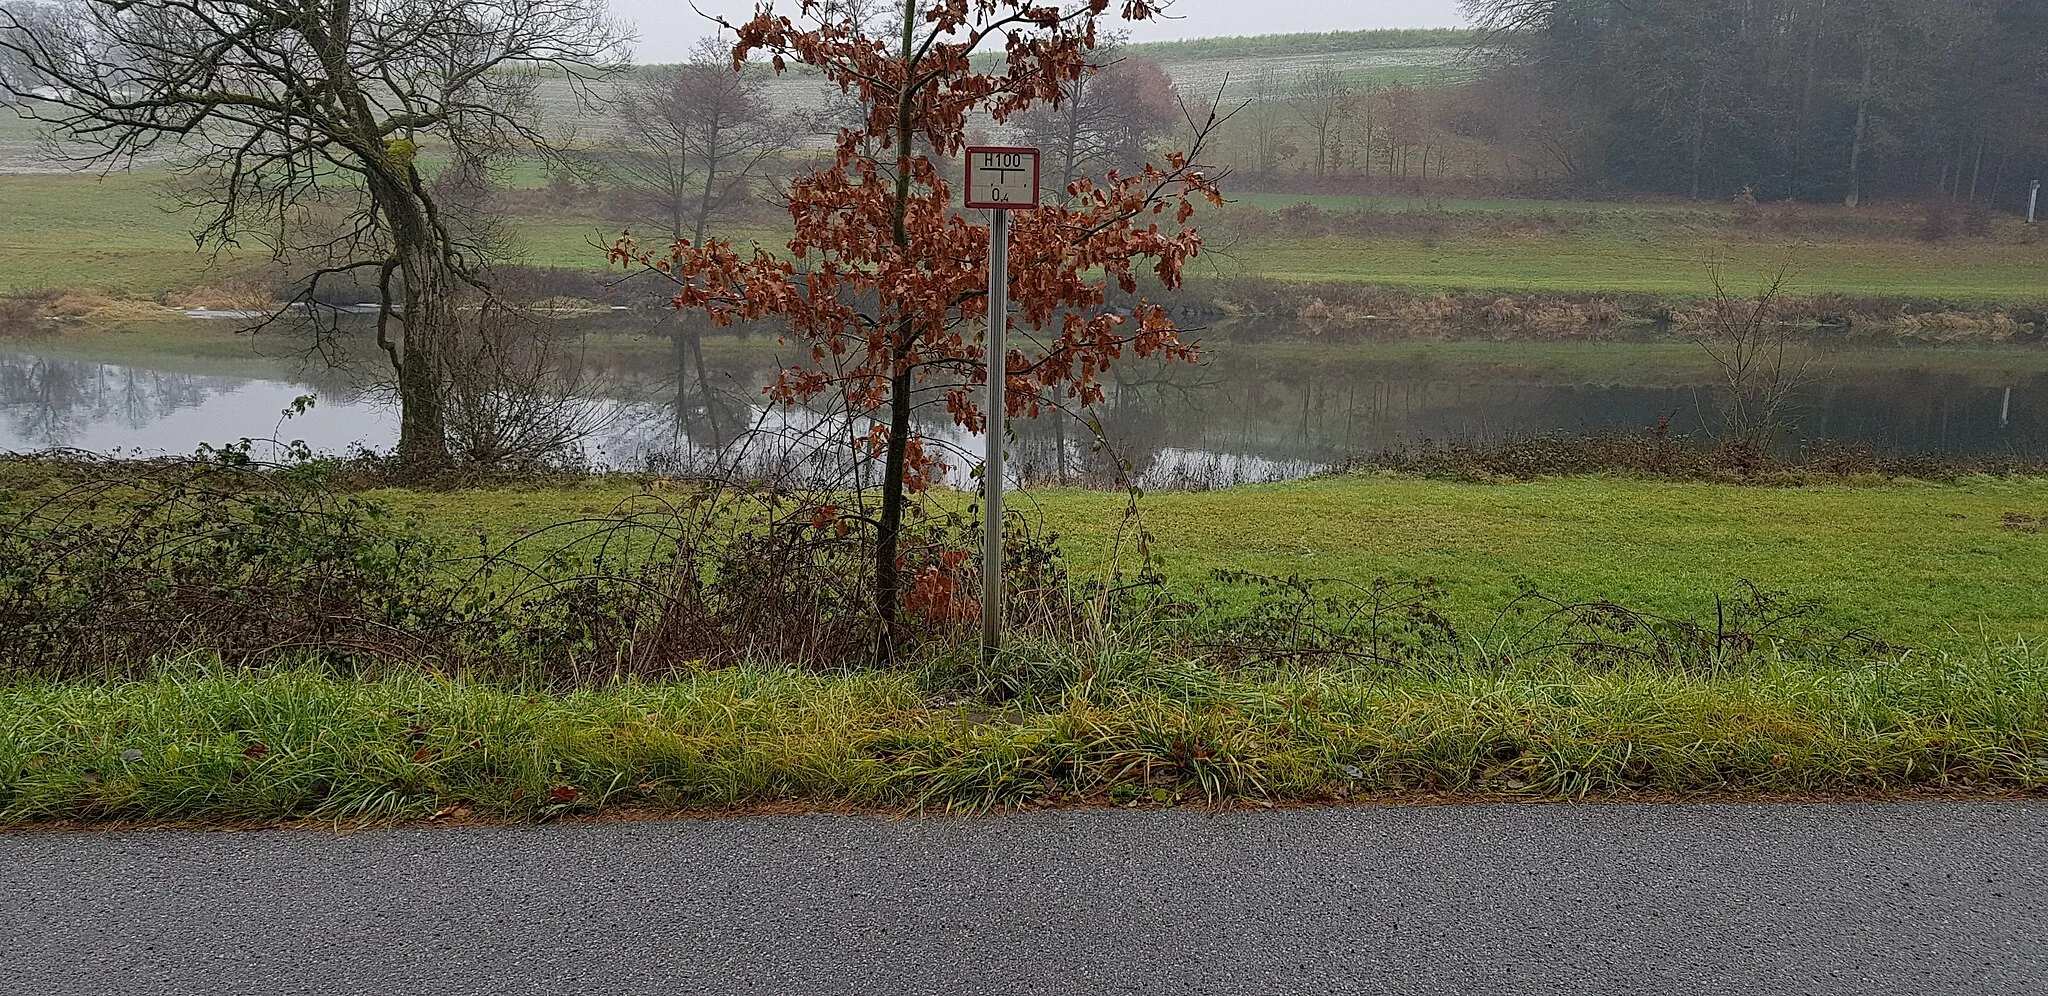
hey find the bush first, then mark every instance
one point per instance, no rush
(1657, 453)
(107, 566)
(21, 315)
(112, 564)
(1937, 221)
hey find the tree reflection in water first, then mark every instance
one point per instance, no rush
(52, 402)
(1247, 413)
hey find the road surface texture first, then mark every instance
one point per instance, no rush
(1493, 899)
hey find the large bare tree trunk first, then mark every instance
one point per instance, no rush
(427, 313)
(1072, 153)
(422, 430)
(1862, 129)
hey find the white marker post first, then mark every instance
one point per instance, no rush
(1001, 178)
(2033, 199)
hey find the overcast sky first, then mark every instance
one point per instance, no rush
(666, 27)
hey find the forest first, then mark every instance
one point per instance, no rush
(1818, 100)
(1809, 100)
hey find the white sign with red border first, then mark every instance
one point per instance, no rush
(1002, 177)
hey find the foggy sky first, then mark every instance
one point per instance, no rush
(666, 27)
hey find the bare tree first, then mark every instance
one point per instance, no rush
(693, 140)
(17, 74)
(1762, 366)
(1322, 101)
(1107, 120)
(279, 109)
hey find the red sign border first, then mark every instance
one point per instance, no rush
(1037, 164)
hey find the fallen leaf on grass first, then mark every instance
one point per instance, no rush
(564, 793)
(255, 750)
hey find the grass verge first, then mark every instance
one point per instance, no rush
(200, 744)
(347, 669)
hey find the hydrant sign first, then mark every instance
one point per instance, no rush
(1002, 177)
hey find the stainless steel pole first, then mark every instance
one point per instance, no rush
(992, 463)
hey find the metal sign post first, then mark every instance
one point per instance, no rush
(1002, 179)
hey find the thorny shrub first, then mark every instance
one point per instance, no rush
(1661, 453)
(1601, 633)
(108, 567)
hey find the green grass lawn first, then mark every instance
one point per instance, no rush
(1929, 565)
(1673, 263)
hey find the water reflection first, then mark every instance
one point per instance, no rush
(1245, 415)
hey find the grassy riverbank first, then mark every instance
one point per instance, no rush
(220, 348)
(1925, 564)
(1682, 264)
(1952, 695)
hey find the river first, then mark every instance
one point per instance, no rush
(1248, 412)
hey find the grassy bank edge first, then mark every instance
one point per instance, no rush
(208, 745)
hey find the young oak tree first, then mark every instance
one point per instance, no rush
(885, 280)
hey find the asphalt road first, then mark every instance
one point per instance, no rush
(1785, 900)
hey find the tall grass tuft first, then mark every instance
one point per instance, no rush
(200, 741)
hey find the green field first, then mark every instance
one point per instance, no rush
(119, 232)
(1308, 43)
(1677, 263)
(1929, 565)
(1466, 205)
(116, 234)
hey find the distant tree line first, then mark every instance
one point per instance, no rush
(1807, 99)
